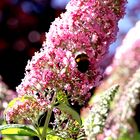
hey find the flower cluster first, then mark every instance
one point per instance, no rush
(26, 109)
(95, 122)
(87, 27)
(121, 117)
(65, 126)
(6, 95)
(125, 63)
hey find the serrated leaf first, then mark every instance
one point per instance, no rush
(17, 129)
(70, 111)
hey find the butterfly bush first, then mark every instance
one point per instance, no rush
(125, 64)
(87, 27)
(120, 119)
(95, 121)
(25, 110)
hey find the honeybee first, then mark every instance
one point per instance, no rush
(82, 62)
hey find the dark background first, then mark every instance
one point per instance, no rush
(23, 24)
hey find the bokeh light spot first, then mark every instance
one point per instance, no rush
(20, 45)
(34, 36)
(56, 4)
(27, 7)
(12, 23)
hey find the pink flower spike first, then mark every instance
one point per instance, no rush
(75, 45)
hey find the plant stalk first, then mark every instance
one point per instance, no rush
(44, 132)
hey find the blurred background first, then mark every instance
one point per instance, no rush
(23, 24)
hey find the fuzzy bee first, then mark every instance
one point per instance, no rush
(82, 62)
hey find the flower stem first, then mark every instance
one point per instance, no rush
(36, 126)
(44, 132)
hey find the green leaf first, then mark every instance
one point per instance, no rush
(54, 137)
(70, 111)
(137, 136)
(17, 129)
(11, 137)
(51, 137)
(129, 136)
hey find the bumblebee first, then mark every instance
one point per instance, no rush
(82, 62)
